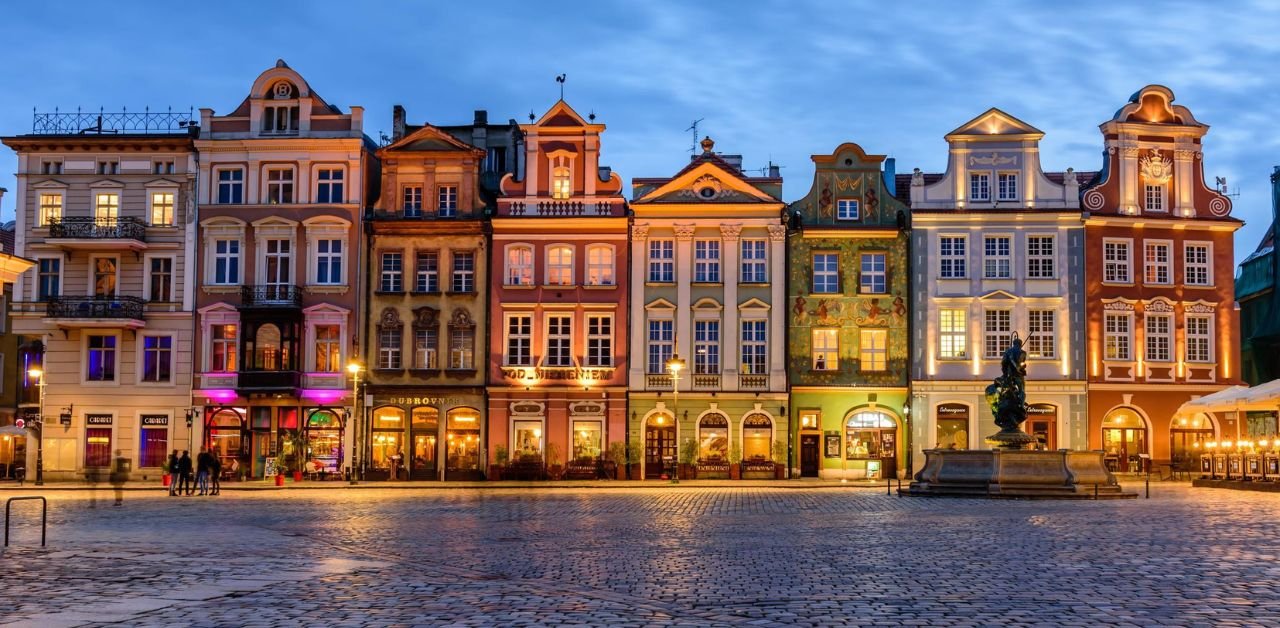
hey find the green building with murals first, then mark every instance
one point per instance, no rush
(847, 313)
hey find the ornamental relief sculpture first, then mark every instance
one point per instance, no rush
(1156, 168)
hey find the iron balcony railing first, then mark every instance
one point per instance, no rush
(89, 228)
(95, 307)
(102, 122)
(271, 295)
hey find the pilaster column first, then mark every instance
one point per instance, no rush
(683, 313)
(639, 325)
(730, 335)
(777, 307)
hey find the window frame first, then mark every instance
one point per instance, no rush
(846, 203)
(824, 273)
(1119, 244)
(43, 218)
(1007, 185)
(607, 269)
(38, 284)
(706, 267)
(707, 361)
(525, 335)
(1206, 337)
(411, 200)
(235, 187)
(464, 277)
(882, 273)
(1161, 197)
(426, 354)
(753, 269)
(1037, 330)
(997, 265)
(142, 351)
(953, 335)
(655, 347)
(325, 188)
(559, 273)
(1150, 335)
(879, 353)
(149, 283)
(997, 329)
(447, 200)
(1206, 266)
(980, 181)
(554, 326)
(953, 263)
(172, 193)
(1166, 265)
(282, 184)
(424, 277)
(1040, 258)
(390, 280)
(390, 348)
(760, 327)
(1126, 336)
(661, 269)
(115, 349)
(824, 356)
(599, 340)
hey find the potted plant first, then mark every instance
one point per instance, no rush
(554, 470)
(281, 469)
(688, 459)
(167, 478)
(616, 460)
(635, 456)
(735, 461)
(779, 460)
(501, 455)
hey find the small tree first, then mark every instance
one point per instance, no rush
(780, 452)
(735, 453)
(618, 456)
(688, 451)
(501, 455)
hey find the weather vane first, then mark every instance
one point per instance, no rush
(560, 79)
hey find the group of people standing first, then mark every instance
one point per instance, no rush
(207, 474)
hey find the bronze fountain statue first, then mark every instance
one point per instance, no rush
(1007, 396)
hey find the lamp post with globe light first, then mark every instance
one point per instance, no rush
(38, 374)
(675, 365)
(354, 368)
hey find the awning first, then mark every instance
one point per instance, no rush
(1236, 399)
(14, 430)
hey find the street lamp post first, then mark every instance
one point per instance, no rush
(675, 365)
(39, 375)
(354, 368)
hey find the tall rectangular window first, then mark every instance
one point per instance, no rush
(329, 185)
(50, 280)
(519, 340)
(223, 349)
(1199, 339)
(1007, 186)
(328, 349)
(154, 435)
(871, 274)
(280, 119)
(106, 208)
(447, 196)
(560, 265)
(231, 186)
(279, 260)
(953, 334)
(1115, 261)
(162, 209)
(599, 265)
(161, 280)
(50, 209)
(996, 326)
(1118, 337)
(101, 361)
(427, 273)
(329, 262)
(1159, 337)
(706, 347)
(389, 348)
(411, 201)
(599, 340)
(995, 259)
(462, 341)
(847, 209)
(559, 341)
(1042, 339)
(755, 354)
(1040, 257)
(873, 349)
(226, 262)
(1196, 263)
(426, 344)
(662, 268)
(392, 272)
(464, 271)
(979, 186)
(157, 358)
(105, 276)
(951, 254)
(826, 273)
(279, 186)
(1157, 269)
(1154, 197)
(706, 261)
(826, 349)
(755, 261)
(661, 343)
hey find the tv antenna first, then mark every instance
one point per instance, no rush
(560, 79)
(1220, 186)
(693, 146)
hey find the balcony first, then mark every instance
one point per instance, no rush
(270, 296)
(102, 312)
(658, 382)
(249, 382)
(706, 381)
(562, 208)
(753, 382)
(98, 234)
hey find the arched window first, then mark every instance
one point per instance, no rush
(870, 434)
(1124, 438)
(713, 437)
(560, 265)
(519, 265)
(388, 432)
(268, 350)
(561, 183)
(757, 438)
(462, 434)
(600, 265)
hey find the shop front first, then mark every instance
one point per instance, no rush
(252, 441)
(855, 434)
(428, 436)
(13, 451)
(565, 436)
(717, 437)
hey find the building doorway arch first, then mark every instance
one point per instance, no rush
(659, 445)
(1125, 438)
(225, 436)
(1187, 437)
(871, 441)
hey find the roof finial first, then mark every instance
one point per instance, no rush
(708, 144)
(281, 64)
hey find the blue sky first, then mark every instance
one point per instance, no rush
(774, 81)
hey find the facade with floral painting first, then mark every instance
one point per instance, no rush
(848, 297)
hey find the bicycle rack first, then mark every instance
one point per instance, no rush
(44, 516)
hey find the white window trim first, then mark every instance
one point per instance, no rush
(964, 257)
(506, 339)
(658, 315)
(1052, 257)
(173, 276)
(264, 197)
(650, 260)
(139, 343)
(883, 274)
(103, 188)
(1147, 335)
(986, 332)
(274, 228)
(814, 273)
(560, 159)
(84, 358)
(1208, 244)
(50, 189)
(1132, 349)
(221, 228)
(1164, 197)
(329, 315)
(613, 265)
(857, 208)
(163, 187)
(964, 335)
(547, 267)
(973, 197)
(1052, 342)
(326, 228)
(716, 262)
(862, 349)
(1007, 258)
(315, 182)
(1213, 349)
(506, 265)
(1017, 185)
(220, 314)
(589, 336)
(743, 261)
(449, 182)
(546, 339)
(92, 274)
(1168, 245)
(62, 275)
(706, 315)
(834, 351)
(1128, 242)
(216, 185)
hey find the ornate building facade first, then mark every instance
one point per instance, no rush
(708, 271)
(558, 303)
(1260, 302)
(1162, 322)
(282, 181)
(847, 291)
(996, 246)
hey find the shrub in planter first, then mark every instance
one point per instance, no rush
(500, 458)
(688, 458)
(735, 461)
(617, 456)
(635, 456)
(779, 460)
(554, 470)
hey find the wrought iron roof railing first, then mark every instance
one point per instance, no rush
(95, 307)
(103, 122)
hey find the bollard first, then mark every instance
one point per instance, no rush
(888, 486)
(1148, 483)
(1095, 491)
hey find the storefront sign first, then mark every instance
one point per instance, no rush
(417, 401)
(269, 466)
(1045, 410)
(953, 411)
(157, 420)
(567, 374)
(98, 419)
(831, 448)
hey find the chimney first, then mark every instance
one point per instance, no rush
(605, 173)
(732, 160)
(891, 176)
(482, 118)
(775, 172)
(397, 123)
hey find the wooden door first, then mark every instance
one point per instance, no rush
(810, 451)
(1044, 433)
(659, 449)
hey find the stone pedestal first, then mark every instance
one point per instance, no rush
(1016, 473)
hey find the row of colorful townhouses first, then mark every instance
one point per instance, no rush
(483, 300)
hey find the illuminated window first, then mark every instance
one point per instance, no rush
(847, 209)
(995, 260)
(713, 437)
(1155, 197)
(996, 326)
(425, 346)
(1196, 262)
(560, 265)
(1115, 261)
(951, 251)
(1007, 186)
(561, 184)
(50, 209)
(106, 208)
(462, 342)
(1156, 269)
(1118, 337)
(706, 261)
(706, 347)
(826, 349)
(519, 340)
(599, 340)
(328, 349)
(661, 336)
(873, 349)
(1159, 337)
(826, 273)
(1199, 338)
(980, 186)
(223, 349)
(952, 334)
(599, 265)
(162, 209)
(871, 275)
(1040, 257)
(1042, 341)
(519, 265)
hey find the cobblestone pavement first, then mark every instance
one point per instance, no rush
(691, 556)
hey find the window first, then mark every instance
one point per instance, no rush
(411, 202)
(519, 340)
(162, 209)
(1156, 269)
(462, 342)
(847, 209)
(528, 439)
(329, 262)
(278, 260)
(1007, 186)
(706, 261)
(1159, 337)
(448, 196)
(599, 340)
(755, 358)
(713, 438)
(495, 160)
(952, 334)
(1196, 262)
(49, 282)
(157, 358)
(587, 440)
(599, 265)
(1154, 196)
(51, 166)
(50, 209)
(755, 267)
(97, 441)
(519, 265)
(226, 262)
(661, 344)
(328, 349)
(560, 265)
(392, 269)
(1042, 339)
(279, 186)
(101, 361)
(871, 277)
(1198, 339)
(389, 348)
(826, 349)
(329, 185)
(995, 259)
(559, 341)
(425, 346)
(1118, 337)
(706, 347)
(280, 119)
(980, 186)
(108, 166)
(162, 167)
(223, 349)
(1040, 257)
(952, 257)
(1115, 261)
(154, 441)
(561, 184)
(873, 350)
(104, 276)
(106, 208)
(161, 280)
(826, 273)
(662, 261)
(427, 277)
(464, 271)
(231, 186)
(996, 326)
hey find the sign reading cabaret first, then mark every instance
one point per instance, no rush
(570, 373)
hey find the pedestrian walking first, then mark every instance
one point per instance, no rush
(202, 472)
(119, 473)
(184, 473)
(215, 473)
(174, 473)
(395, 464)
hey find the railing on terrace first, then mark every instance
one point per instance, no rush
(271, 295)
(104, 122)
(95, 307)
(88, 228)
(560, 208)
(753, 382)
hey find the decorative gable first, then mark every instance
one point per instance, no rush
(994, 122)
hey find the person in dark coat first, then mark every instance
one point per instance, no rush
(202, 472)
(119, 474)
(173, 473)
(215, 473)
(184, 473)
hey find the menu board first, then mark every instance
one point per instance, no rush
(270, 467)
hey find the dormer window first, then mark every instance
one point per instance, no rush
(980, 186)
(1007, 186)
(280, 119)
(847, 209)
(560, 183)
(1154, 197)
